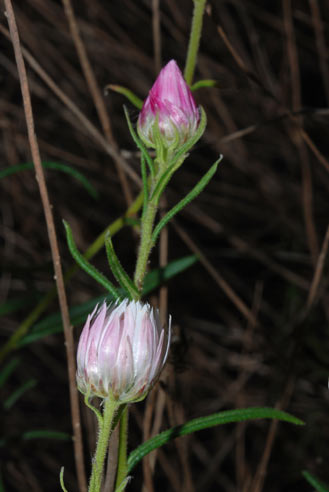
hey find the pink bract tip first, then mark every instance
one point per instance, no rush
(122, 350)
(171, 101)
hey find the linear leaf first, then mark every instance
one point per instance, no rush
(85, 265)
(46, 434)
(226, 417)
(312, 480)
(164, 179)
(12, 399)
(135, 100)
(52, 323)
(58, 167)
(139, 143)
(187, 199)
(8, 370)
(118, 270)
(13, 305)
(204, 83)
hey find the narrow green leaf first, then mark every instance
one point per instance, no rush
(13, 305)
(204, 83)
(52, 324)
(139, 143)
(10, 402)
(58, 167)
(312, 480)
(226, 417)
(165, 178)
(118, 270)
(35, 336)
(187, 199)
(8, 370)
(46, 434)
(135, 100)
(86, 266)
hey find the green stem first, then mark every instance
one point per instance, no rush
(195, 35)
(122, 470)
(145, 244)
(110, 407)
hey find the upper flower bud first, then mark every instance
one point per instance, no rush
(170, 104)
(122, 350)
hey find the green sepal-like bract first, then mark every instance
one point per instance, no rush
(139, 143)
(86, 266)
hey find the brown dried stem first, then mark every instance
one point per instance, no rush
(95, 93)
(68, 329)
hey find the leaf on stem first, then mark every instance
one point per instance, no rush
(58, 167)
(17, 394)
(204, 83)
(8, 370)
(130, 95)
(94, 409)
(52, 323)
(164, 179)
(118, 270)
(226, 417)
(46, 434)
(187, 199)
(139, 143)
(312, 480)
(86, 266)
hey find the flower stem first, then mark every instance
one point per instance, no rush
(195, 35)
(110, 408)
(145, 244)
(122, 454)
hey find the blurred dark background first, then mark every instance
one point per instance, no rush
(251, 317)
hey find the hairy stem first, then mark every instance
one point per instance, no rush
(122, 455)
(110, 408)
(145, 244)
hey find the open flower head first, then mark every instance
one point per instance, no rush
(170, 104)
(122, 350)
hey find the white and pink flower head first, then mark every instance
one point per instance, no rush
(171, 101)
(122, 350)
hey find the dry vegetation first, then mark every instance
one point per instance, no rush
(251, 318)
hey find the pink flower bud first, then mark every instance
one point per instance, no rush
(122, 350)
(171, 99)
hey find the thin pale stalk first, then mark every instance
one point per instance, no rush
(95, 93)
